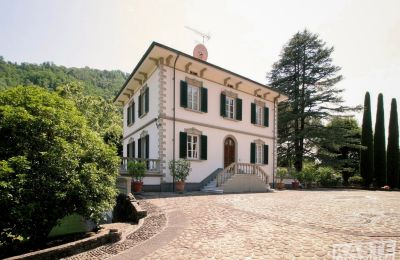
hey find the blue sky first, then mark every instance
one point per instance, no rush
(247, 36)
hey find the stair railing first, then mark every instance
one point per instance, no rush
(241, 168)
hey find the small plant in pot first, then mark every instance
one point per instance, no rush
(137, 170)
(281, 173)
(179, 169)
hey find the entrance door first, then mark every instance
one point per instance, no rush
(229, 151)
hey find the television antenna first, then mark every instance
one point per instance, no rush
(203, 35)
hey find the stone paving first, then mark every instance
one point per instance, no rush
(278, 225)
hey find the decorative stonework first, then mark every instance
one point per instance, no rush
(162, 91)
(194, 82)
(143, 133)
(259, 141)
(230, 94)
(259, 103)
(193, 131)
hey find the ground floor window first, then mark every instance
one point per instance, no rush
(259, 153)
(192, 146)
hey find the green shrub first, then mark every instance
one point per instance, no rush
(137, 170)
(327, 177)
(182, 169)
(356, 180)
(308, 175)
(281, 173)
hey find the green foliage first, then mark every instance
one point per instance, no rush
(308, 174)
(393, 154)
(367, 141)
(182, 169)
(47, 75)
(306, 74)
(281, 173)
(380, 145)
(102, 116)
(137, 170)
(356, 180)
(51, 164)
(341, 147)
(327, 177)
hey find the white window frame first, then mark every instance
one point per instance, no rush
(259, 153)
(193, 101)
(259, 115)
(230, 107)
(193, 142)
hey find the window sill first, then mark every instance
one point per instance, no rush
(262, 126)
(192, 110)
(143, 115)
(231, 119)
(194, 160)
(131, 124)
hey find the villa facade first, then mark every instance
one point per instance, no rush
(179, 106)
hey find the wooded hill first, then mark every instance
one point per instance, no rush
(96, 82)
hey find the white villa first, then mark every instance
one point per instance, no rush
(179, 106)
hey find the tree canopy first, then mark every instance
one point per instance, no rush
(51, 164)
(48, 75)
(306, 74)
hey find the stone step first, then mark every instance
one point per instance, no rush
(213, 190)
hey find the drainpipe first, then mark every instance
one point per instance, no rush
(275, 141)
(173, 131)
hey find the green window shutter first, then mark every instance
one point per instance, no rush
(203, 147)
(265, 154)
(133, 112)
(147, 144)
(128, 115)
(253, 113)
(139, 143)
(204, 101)
(128, 150)
(146, 97)
(266, 116)
(223, 109)
(140, 106)
(133, 149)
(182, 144)
(184, 93)
(238, 109)
(252, 153)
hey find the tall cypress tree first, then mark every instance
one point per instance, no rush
(380, 145)
(367, 154)
(393, 148)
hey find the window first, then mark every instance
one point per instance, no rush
(230, 107)
(193, 97)
(130, 115)
(143, 107)
(192, 146)
(259, 153)
(259, 111)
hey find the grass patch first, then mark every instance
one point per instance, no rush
(70, 224)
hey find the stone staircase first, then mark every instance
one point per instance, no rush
(211, 187)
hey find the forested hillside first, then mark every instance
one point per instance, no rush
(95, 82)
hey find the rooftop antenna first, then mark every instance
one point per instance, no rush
(204, 35)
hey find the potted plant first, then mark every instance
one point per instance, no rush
(281, 173)
(137, 170)
(179, 169)
(295, 176)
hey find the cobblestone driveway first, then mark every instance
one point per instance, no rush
(279, 225)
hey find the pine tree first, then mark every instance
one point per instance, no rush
(380, 145)
(367, 154)
(306, 74)
(393, 148)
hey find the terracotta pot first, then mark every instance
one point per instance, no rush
(180, 186)
(137, 186)
(280, 185)
(295, 185)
